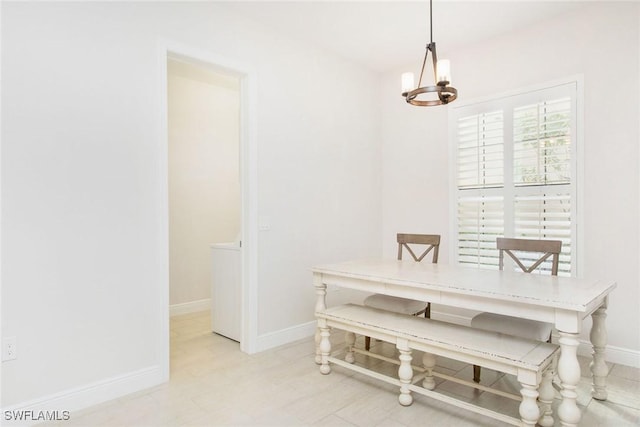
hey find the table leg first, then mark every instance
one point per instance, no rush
(317, 339)
(325, 349)
(321, 305)
(569, 373)
(599, 369)
(405, 373)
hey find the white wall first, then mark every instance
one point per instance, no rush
(601, 43)
(80, 95)
(80, 190)
(204, 174)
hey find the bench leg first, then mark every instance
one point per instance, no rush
(546, 398)
(405, 374)
(529, 411)
(325, 350)
(350, 340)
(429, 362)
(569, 372)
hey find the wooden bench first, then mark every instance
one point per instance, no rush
(530, 361)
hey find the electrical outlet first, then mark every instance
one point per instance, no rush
(9, 348)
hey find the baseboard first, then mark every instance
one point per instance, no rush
(613, 354)
(286, 336)
(190, 307)
(304, 330)
(57, 406)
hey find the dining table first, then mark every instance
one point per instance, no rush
(562, 301)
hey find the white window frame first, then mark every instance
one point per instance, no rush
(504, 101)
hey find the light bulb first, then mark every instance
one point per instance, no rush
(407, 82)
(443, 71)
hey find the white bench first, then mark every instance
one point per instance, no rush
(530, 361)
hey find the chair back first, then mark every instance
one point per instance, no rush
(547, 248)
(431, 241)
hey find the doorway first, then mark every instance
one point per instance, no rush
(245, 177)
(203, 110)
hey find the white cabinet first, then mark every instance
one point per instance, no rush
(226, 289)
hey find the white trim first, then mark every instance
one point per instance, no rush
(190, 307)
(249, 166)
(452, 194)
(92, 394)
(578, 195)
(163, 346)
(1, 210)
(249, 180)
(613, 354)
(286, 336)
(516, 92)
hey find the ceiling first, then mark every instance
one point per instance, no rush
(385, 34)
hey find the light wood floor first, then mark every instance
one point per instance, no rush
(213, 383)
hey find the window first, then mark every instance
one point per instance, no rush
(515, 173)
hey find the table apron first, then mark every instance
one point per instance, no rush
(565, 320)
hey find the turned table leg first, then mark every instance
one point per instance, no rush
(325, 347)
(405, 374)
(317, 340)
(321, 305)
(599, 369)
(569, 373)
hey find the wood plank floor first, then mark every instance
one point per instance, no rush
(214, 384)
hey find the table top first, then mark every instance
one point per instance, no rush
(570, 293)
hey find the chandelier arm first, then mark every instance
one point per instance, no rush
(434, 57)
(424, 62)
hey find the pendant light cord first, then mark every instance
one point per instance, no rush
(431, 20)
(424, 61)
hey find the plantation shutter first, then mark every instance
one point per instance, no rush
(515, 174)
(542, 143)
(542, 160)
(480, 166)
(480, 221)
(481, 151)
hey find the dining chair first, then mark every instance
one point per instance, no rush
(426, 243)
(520, 251)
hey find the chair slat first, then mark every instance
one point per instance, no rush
(431, 240)
(548, 248)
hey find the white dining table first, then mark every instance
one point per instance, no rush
(561, 301)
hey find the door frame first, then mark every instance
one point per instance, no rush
(248, 183)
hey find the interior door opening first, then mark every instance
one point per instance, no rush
(204, 193)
